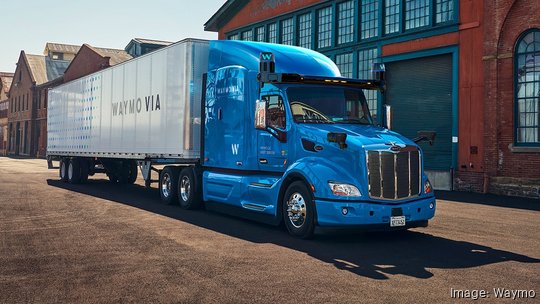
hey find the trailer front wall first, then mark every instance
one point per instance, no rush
(145, 107)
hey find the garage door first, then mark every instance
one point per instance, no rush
(420, 93)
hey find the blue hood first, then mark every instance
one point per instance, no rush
(358, 135)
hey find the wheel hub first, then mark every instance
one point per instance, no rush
(166, 185)
(70, 171)
(185, 188)
(296, 210)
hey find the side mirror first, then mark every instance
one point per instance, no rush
(388, 116)
(425, 135)
(260, 115)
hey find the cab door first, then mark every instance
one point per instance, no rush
(272, 143)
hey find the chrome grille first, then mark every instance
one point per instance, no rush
(393, 175)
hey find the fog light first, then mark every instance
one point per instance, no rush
(344, 211)
(431, 205)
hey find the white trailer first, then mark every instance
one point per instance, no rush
(146, 108)
(143, 108)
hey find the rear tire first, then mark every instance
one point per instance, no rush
(133, 170)
(168, 179)
(63, 168)
(299, 211)
(74, 171)
(85, 168)
(189, 193)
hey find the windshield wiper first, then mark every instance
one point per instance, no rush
(355, 121)
(316, 120)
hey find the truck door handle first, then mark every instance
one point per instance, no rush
(263, 161)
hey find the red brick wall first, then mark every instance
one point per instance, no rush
(259, 10)
(18, 89)
(86, 62)
(505, 23)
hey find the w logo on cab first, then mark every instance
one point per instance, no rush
(234, 148)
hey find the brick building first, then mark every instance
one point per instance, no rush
(24, 97)
(467, 69)
(5, 83)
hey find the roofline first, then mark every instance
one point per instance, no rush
(169, 42)
(77, 54)
(224, 14)
(47, 44)
(59, 80)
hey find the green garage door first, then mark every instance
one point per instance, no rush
(420, 93)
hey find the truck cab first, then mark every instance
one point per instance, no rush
(287, 139)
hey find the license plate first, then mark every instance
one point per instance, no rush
(397, 221)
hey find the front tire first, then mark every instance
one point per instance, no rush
(299, 211)
(168, 180)
(189, 194)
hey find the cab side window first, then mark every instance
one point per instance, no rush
(275, 113)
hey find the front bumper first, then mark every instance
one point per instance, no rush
(330, 213)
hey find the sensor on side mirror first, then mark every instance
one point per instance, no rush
(425, 135)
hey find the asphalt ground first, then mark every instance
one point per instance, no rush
(103, 243)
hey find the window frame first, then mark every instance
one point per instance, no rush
(516, 56)
(267, 99)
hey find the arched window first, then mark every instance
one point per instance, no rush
(527, 92)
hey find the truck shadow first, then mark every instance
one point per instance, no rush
(372, 255)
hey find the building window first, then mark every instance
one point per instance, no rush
(391, 16)
(27, 102)
(287, 31)
(444, 10)
(365, 61)
(345, 64)
(304, 30)
(416, 13)
(272, 33)
(369, 16)
(527, 80)
(23, 106)
(346, 22)
(233, 37)
(247, 35)
(57, 56)
(324, 38)
(260, 34)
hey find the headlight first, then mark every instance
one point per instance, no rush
(343, 189)
(427, 187)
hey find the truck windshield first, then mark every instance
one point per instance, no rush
(328, 105)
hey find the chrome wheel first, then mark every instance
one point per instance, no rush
(296, 210)
(70, 171)
(63, 169)
(166, 185)
(185, 188)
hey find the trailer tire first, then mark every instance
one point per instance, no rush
(74, 171)
(133, 170)
(113, 178)
(299, 210)
(168, 179)
(189, 193)
(85, 168)
(62, 169)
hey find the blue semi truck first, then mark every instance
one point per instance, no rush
(268, 132)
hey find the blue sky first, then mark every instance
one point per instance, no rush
(29, 24)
